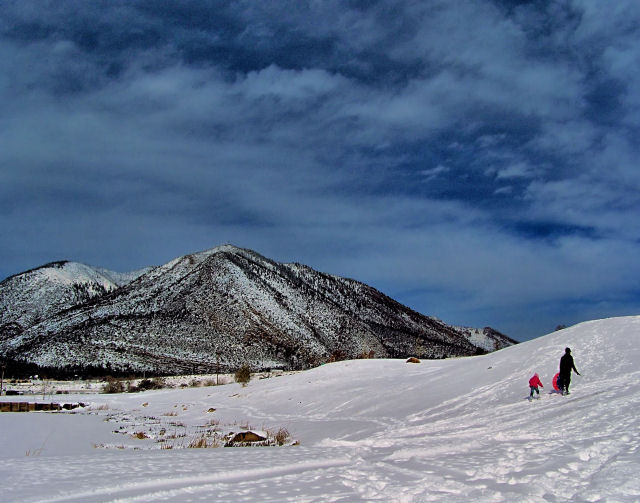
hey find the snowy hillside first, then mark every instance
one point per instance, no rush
(455, 430)
(239, 305)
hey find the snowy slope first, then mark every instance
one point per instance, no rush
(454, 430)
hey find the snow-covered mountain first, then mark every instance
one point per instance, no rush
(231, 306)
(486, 338)
(30, 297)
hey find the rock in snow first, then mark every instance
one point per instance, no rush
(219, 308)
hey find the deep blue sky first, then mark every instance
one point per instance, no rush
(476, 160)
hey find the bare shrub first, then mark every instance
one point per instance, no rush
(337, 356)
(282, 436)
(155, 383)
(243, 375)
(147, 384)
(159, 383)
(113, 386)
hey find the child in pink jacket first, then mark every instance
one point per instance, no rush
(534, 382)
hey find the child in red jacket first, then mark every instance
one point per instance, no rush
(534, 382)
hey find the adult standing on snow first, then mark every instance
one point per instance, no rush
(566, 366)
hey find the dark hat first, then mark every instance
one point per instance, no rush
(567, 350)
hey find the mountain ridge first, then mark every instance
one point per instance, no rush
(227, 306)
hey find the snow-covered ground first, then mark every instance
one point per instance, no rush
(369, 430)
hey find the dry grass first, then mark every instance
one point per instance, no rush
(204, 442)
(282, 436)
(104, 406)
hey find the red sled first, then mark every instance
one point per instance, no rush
(556, 382)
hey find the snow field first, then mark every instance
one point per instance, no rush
(370, 430)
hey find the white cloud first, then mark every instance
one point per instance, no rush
(290, 84)
(506, 190)
(433, 173)
(517, 170)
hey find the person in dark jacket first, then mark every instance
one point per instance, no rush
(566, 366)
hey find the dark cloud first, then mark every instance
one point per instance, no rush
(475, 159)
